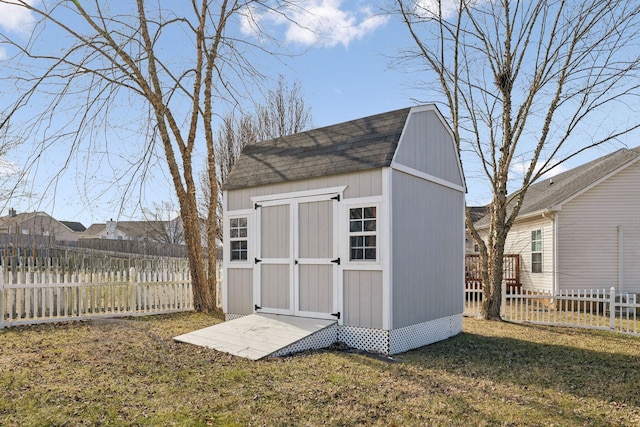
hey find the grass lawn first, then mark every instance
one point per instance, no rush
(130, 372)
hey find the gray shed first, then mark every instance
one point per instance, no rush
(360, 224)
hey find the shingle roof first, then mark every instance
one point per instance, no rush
(74, 226)
(550, 192)
(357, 145)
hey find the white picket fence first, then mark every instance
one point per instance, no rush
(593, 309)
(44, 290)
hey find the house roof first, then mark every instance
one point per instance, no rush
(554, 191)
(74, 226)
(356, 145)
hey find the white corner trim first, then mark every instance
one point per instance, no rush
(387, 255)
(414, 172)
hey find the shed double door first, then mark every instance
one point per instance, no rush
(297, 261)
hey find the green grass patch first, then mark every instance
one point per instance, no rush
(131, 372)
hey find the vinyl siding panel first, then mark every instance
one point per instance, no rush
(363, 299)
(240, 290)
(428, 250)
(519, 242)
(359, 184)
(427, 146)
(588, 235)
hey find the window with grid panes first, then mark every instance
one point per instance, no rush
(238, 239)
(536, 251)
(362, 234)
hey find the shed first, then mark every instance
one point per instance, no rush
(360, 223)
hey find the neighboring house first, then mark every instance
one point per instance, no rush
(40, 224)
(153, 231)
(477, 213)
(361, 222)
(581, 229)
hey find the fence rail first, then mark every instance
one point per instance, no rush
(592, 309)
(36, 290)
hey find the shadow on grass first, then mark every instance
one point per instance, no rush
(604, 375)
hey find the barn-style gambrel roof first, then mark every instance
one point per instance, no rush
(357, 145)
(552, 192)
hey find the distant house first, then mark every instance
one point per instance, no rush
(40, 224)
(477, 213)
(581, 229)
(152, 231)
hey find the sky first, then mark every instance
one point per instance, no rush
(347, 68)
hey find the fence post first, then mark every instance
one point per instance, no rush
(132, 289)
(2, 301)
(612, 309)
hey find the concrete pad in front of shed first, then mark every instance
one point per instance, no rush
(257, 335)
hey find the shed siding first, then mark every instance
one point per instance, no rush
(359, 184)
(275, 232)
(363, 299)
(276, 293)
(316, 237)
(240, 289)
(519, 242)
(316, 288)
(428, 250)
(426, 146)
(588, 235)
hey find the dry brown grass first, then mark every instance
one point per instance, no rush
(130, 372)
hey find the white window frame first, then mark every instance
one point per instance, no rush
(239, 239)
(537, 252)
(347, 205)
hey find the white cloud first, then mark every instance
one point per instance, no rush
(316, 23)
(520, 168)
(430, 8)
(15, 18)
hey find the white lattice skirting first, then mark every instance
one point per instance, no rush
(321, 339)
(376, 340)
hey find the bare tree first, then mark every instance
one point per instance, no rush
(141, 65)
(163, 224)
(284, 112)
(525, 82)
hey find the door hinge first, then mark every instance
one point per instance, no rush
(336, 261)
(336, 197)
(337, 315)
(256, 307)
(256, 206)
(256, 260)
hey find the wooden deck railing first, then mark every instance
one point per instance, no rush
(510, 271)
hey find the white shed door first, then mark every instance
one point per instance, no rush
(298, 263)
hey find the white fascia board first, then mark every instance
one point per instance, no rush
(436, 111)
(418, 174)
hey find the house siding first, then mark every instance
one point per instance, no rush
(519, 242)
(359, 184)
(426, 146)
(428, 250)
(588, 249)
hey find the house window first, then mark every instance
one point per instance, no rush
(536, 251)
(238, 239)
(362, 234)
